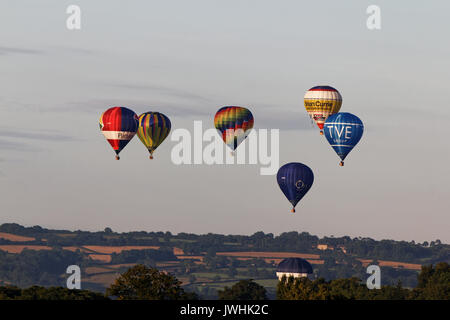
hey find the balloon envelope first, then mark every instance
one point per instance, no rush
(343, 131)
(118, 125)
(234, 125)
(321, 102)
(295, 179)
(153, 129)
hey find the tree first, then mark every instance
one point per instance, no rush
(9, 292)
(433, 283)
(59, 293)
(390, 293)
(290, 288)
(340, 289)
(51, 293)
(243, 290)
(142, 283)
(108, 230)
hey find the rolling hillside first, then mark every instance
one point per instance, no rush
(203, 262)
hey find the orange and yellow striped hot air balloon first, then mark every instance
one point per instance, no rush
(321, 102)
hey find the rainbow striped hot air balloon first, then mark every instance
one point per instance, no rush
(118, 125)
(153, 129)
(321, 102)
(234, 125)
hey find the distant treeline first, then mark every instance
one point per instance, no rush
(145, 256)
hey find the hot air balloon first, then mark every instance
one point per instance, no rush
(343, 131)
(321, 102)
(294, 267)
(118, 125)
(234, 125)
(295, 179)
(153, 128)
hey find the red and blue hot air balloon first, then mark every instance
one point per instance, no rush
(343, 131)
(295, 179)
(118, 125)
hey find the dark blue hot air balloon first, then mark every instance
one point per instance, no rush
(294, 267)
(343, 131)
(295, 179)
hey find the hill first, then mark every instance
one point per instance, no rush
(204, 263)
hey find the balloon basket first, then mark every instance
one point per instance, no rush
(321, 132)
(117, 158)
(293, 210)
(341, 163)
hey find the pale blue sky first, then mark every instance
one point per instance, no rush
(187, 59)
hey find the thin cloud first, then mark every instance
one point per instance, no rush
(26, 140)
(164, 91)
(17, 146)
(269, 117)
(16, 50)
(186, 110)
(4, 50)
(35, 135)
(72, 50)
(280, 117)
(173, 101)
(285, 120)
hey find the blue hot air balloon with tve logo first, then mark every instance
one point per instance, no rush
(343, 131)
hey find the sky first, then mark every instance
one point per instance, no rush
(187, 59)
